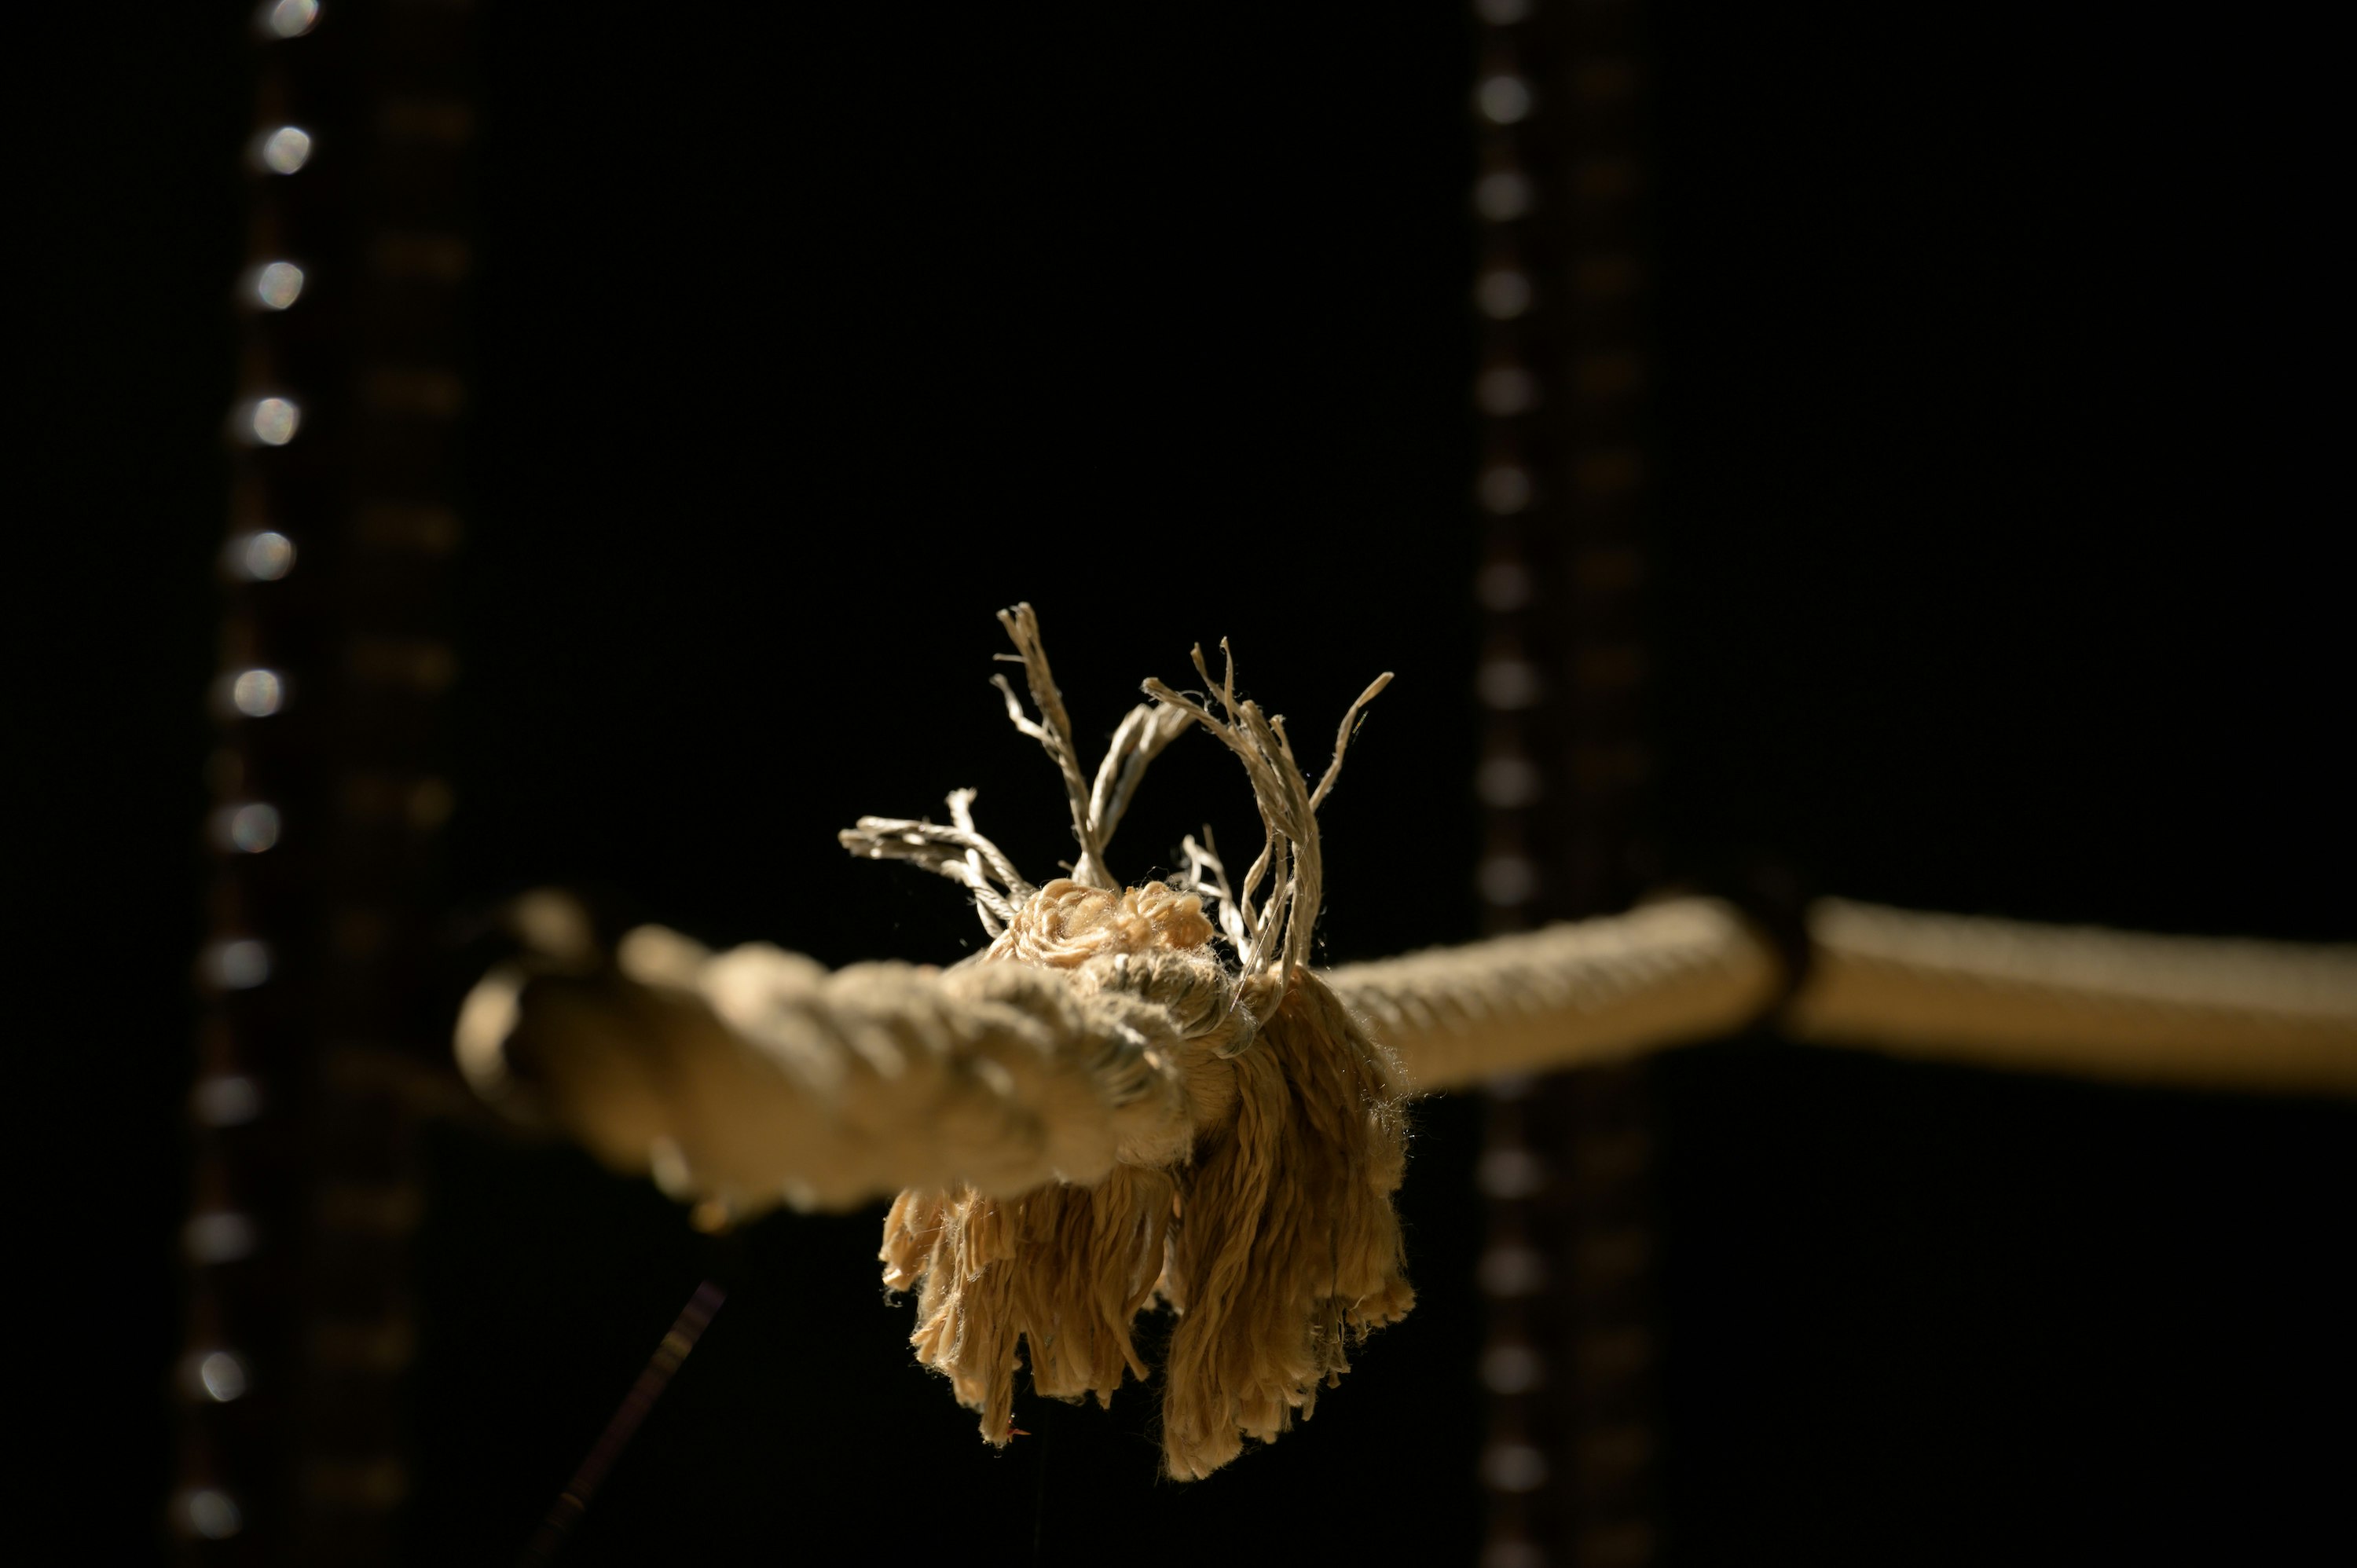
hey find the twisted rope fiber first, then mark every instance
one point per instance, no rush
(789, 1084)
(1099, 1111)
(2197, 1012)
(1564, 995)
(1094, 1112)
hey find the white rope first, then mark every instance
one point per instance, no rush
(1568, 994)
(1098, 1110)
(756, 1077)
(1098, 1027)
(2197, 1012)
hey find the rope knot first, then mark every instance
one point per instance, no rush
(1066, 923)
(1261, 1213)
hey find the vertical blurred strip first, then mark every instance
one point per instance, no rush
(335, 658)
(1559, 292)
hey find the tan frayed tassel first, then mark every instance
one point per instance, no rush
(1288, 1245)
(1266, 1222)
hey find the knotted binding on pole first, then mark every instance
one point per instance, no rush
(1263, 1214)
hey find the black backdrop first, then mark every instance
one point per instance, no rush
(1995, 577)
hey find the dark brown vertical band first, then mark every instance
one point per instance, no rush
(1560, 392)
(336, 657)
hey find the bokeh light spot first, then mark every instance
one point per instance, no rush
(262, 556)
(1503, 100)
(286, 18)
(272, 421)
(284, 150)
(249, 829)
(224, 1376)
(239, 964)
(257, 693)
(278, 285)
(212, 1513)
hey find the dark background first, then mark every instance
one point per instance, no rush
(1995, 575)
